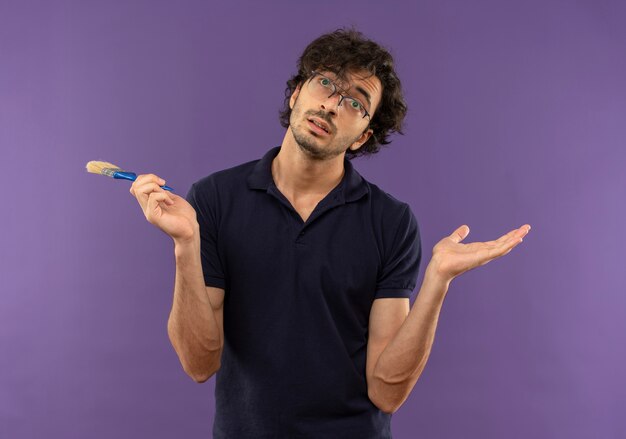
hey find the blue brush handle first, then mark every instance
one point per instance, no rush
(132, 177)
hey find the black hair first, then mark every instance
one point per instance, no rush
(344, 51)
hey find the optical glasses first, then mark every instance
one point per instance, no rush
(323, 87)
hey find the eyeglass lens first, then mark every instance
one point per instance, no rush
(323, 88)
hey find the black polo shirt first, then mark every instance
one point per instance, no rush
(297, 300)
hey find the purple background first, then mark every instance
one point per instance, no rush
(517, 114)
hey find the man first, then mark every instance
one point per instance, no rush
(293, 273)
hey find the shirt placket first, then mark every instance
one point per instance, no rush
(298, 227)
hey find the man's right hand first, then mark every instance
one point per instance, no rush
(166, 210)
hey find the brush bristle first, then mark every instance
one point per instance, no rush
(103, 168)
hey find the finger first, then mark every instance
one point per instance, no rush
(149, 187)
(518, 235)
(170, 195)
(491, 250)
(502, 248)
(506, 246)
(143, 179)
(514, 235)
(143, 191)
(156, 202)
(486, 255)
(524, 230)
(504, 238)
(460, 234)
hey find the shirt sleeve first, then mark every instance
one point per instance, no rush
(212, 269)
(401, 265)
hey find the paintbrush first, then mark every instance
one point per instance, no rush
(110, 170)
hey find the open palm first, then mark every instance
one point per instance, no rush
(452, 258)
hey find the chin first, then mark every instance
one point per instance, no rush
(312, 145)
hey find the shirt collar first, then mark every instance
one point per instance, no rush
(351, 188)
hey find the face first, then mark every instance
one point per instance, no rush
(344, 130)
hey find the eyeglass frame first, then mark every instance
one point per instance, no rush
(343, 95)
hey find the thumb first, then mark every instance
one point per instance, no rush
(460, 234)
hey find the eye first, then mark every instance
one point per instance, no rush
(325, 82)
(356, 105)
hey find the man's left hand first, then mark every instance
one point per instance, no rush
(452, 258)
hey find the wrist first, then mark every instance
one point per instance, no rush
(435, 276)
(187, 244)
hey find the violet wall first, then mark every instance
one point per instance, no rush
(517, 114)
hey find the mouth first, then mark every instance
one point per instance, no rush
(318, 126)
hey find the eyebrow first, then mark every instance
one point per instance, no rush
(364, 93)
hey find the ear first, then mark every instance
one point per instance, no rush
(294, 96)
(361, 140)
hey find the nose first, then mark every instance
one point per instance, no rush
(331, 103)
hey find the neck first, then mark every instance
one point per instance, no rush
(296, 174)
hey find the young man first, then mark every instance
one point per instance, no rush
(293, 273)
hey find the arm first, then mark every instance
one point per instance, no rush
(195, 325)
(399, 356)
(392, 377)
